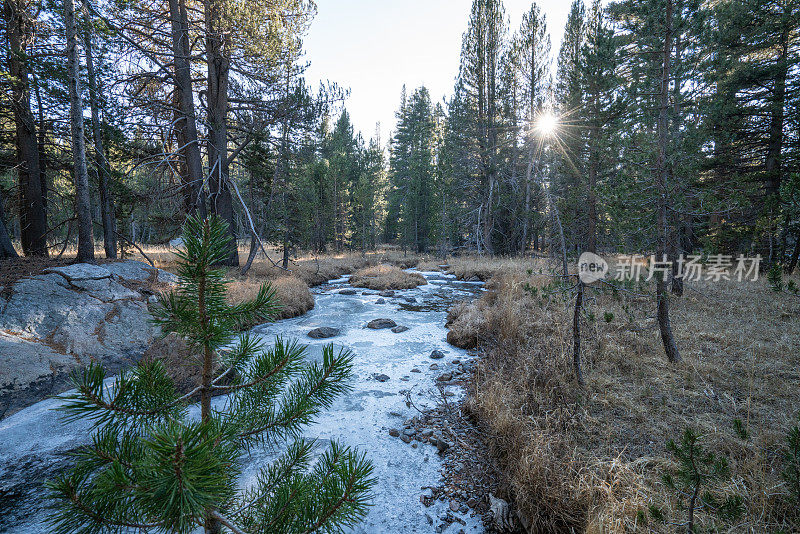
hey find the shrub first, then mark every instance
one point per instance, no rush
(698, 467)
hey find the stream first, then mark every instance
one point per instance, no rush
(34, 443)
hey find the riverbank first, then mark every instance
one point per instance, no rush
(594, 457)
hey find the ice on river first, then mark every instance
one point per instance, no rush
(33, 442)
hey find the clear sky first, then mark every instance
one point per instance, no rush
(373, 47)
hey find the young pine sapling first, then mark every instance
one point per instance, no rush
(156, 464)
(697, 468)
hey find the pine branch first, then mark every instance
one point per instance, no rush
(291, 464)
(144, 394)
(316, 389)
(346, 482)
(281, 360)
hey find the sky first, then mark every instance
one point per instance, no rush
(373, 47)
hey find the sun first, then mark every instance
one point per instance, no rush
(546, 123)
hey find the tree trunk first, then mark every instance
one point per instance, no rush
(101, 163)
(218, 71)
(82, 202)
(189, 146)
(42, 133)
(560, 230)
(662, 193)
(285, 263)
(576, 335)
(527, 217)
(795, 254)
(591, 200)
(675, 244)
(773, 161)
(6, 247)
(491, 111)
(32, 214)
(443, 247)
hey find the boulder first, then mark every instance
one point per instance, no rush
(378, 324)
(399, 329)
(141, 272)
(71, 315)
(380, 301)
(324, 332)
(386, 293)
(81, 271)
(380, 377)
(29, 372)
(347, 292)
(437, 354)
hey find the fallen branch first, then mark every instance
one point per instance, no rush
(128, 241)
(254, 234)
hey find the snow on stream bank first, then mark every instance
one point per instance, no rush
(33, 442)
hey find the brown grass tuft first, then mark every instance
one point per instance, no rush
(294, 296)
(291, 292)
(386, 277)
(465, 321)
(592, 459)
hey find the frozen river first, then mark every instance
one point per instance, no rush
(34, 443)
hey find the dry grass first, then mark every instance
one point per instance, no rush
(592, 459)
(291, 292)
(465, 321)
(386, 277)
(484, 268)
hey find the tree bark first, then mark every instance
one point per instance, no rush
(187, 127)
(42, 134)
(82, 202)
(33, 217)
(772, 164)
(491, 131)
(675, 244)
(6, 247)
(795, 254)
(101, 163)
(221, 202)
(662, 193)
(591, 198)
(576, 335)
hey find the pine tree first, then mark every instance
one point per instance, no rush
(566, 183)
(532, 61)
(153, 465)
(481, 53)
(412, 171)
(83, 206)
